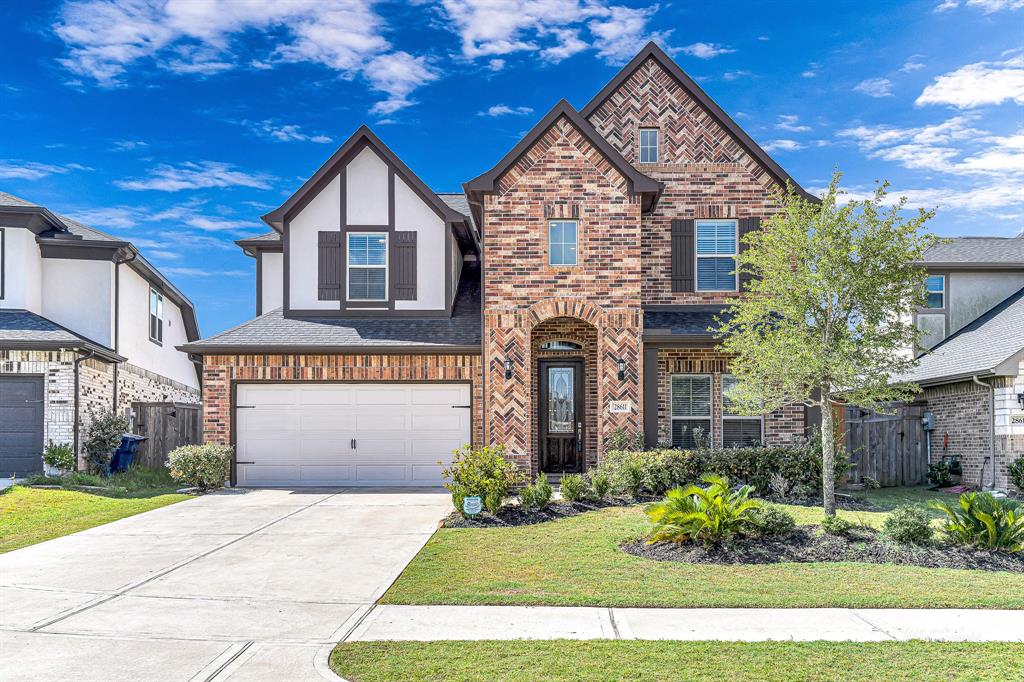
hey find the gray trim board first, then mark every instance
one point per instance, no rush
(650, 393)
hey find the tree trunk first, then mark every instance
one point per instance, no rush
(828, 456)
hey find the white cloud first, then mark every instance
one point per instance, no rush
(791, 123)
(211, 224)
(129, 145)
(782, 145)
(972, 198)
(496, 64)
(105, 37)
(505, 110)
(33, 170)
(190, 175)
(875, 87)
(282, 132)
(811, 71)
(734, 75)
(978, 84)
(176, 271)
(623, 32)
(705, 50)
(912, 64)
(987, 6)
(108, 218)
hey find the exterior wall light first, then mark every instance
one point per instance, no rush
(1020, 399)
(622, 369)
(508, 368)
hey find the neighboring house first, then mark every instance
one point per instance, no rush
(973, 374)
(86, 323)
(566, 293)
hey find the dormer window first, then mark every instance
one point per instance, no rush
(649, 145)
(935, 286)
(367, 266)
(156, 316)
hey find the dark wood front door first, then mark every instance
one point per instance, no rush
(560, 412)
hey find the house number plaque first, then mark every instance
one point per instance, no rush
(620, 406)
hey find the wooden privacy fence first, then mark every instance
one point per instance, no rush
(165, 426)
(889, 448)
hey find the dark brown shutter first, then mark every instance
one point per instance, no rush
(746, 225)
(682, 255)
(404, 269)
(329, 266)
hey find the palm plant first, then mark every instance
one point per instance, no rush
(982, 520)
(709, 515)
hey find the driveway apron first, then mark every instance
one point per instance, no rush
(239, 585)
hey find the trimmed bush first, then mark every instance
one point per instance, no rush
(709, 515)
(536, 496)
(573, 487)
(940, 474)
(983, 520)
(60, 456)
(836, 525)
(200, 466)
(599, 482)
(482, 472)
(1016, 472)
(908, 524)
(773, 520)
(102, 438)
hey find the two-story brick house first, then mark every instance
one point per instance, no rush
(567, 292)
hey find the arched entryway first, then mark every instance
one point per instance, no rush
(564, 357)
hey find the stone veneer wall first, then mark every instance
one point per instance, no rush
(780, 427)
(219, 371)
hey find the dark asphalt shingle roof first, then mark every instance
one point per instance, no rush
(979, 348)
(272, 331)
(24, 329)
(11, 200)
(683, 322)
(265, 237)
(977, 250)
(459, 202)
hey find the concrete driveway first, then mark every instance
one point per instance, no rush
(239, 585)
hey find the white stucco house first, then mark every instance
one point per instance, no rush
(86, 322)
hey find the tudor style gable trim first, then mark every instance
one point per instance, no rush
(652, 51)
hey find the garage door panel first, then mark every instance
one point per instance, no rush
(426, 473)
(382, 422)
(424, 423)
(433, 449)
(381, 472)
(326, 395)
(383, 447)
(266, 396)
(327, 421)
(279, 474)
(266, 421)
(382, 396)
(447, 395)
(329, 473)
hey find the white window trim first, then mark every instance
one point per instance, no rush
(711, 402)
(386, 266)
(577, 232)
(733, 255)
(928, 292)
(149, 317)
(657, 143)
(726, 415)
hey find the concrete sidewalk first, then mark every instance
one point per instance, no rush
(424, 623)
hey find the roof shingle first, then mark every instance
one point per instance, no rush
(977, 250)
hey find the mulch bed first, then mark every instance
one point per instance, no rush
(513, 515)
(808, 544)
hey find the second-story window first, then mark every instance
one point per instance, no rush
(935, 285)
(367, 266)
(648, 145)
(562, 243)
(716, 255)
(156, 316)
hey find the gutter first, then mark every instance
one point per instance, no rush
(117, 315)
(262, 349)
(991, 427)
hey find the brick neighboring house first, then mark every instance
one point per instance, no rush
(565, 293)
(972, 376)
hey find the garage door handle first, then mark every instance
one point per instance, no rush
(352, 444)
(461, 407)
(245, 407)
(245, 462)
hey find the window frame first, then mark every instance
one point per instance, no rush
(697, 256)
(641, 146)
(576, 223)
(711, 406)
(158, 297)
(928, 292)
(737, 417)
(349, 266)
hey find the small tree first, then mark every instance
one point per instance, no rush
(829, 315)
(102, 438)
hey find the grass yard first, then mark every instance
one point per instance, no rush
(564, 660)
(576, 561)
(31, 515)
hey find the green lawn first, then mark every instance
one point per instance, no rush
(889, 498)
(31, 515)
(526, 661)
(577, 562)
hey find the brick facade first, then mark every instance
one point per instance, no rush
(220, 371)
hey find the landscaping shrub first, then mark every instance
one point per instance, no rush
(536, 496)
(482, 472)
(982, 520)
(836, 525)
(200, 466)
(940, 474)
(1016, 471)
(102, 438)
(909, 524)
(709, 515)
(59, 456)
(573, 487)
(621, 439)
(773, 520)
(599, 482)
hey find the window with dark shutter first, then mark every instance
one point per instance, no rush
(682, 255)
(747, 225)
(329, 266)
(404, 269)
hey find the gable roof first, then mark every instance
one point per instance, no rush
(992, 345)
(989, 252)
(639, 183)
(652, 51)
(362, 137)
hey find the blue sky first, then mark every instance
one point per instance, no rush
(177, 124)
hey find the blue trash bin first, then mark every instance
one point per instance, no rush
(125, 454)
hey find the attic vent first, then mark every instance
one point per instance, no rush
(560, 345)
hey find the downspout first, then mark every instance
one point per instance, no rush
(78, 419)
(117, 316)
(991, 427)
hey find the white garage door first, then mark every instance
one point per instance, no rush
(348, 434)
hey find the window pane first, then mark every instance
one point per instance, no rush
(366, 284)
(691, 396)
(716, 237)
(367, 249)
(648, 146)
(562, 242)
(716, 274)
(934, 300)
(561, 399)
(741, 433)
(934, 283)
(687, 432)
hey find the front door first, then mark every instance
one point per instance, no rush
(560, 410)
